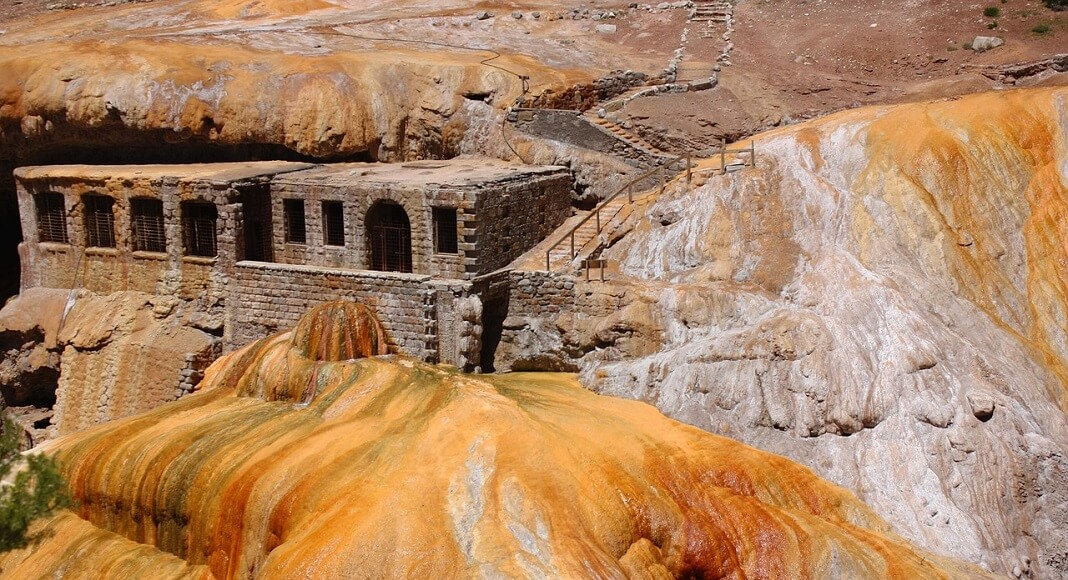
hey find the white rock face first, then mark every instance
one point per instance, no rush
(883, 299)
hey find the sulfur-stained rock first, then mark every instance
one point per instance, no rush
(884, 298)
(394, 468)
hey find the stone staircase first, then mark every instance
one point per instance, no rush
(712, 11)
(619, 132)
(560, 256)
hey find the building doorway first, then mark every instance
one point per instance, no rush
(389, 234)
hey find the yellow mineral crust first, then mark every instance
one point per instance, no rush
(323, 78)
(395, 468)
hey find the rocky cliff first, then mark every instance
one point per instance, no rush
(76, 359)
(882, 298)
(299, 458)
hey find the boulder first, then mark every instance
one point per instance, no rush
(982, 43)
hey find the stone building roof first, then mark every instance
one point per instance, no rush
(456, 172)
(192, 172)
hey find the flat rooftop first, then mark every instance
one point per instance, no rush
(204, 172)
(457, 172)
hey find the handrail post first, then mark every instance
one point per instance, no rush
(547, 252)
(687, 169)
(572, 244)
(723, 156)
(597, 217)
(752, 152)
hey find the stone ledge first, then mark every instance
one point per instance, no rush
(319, 270)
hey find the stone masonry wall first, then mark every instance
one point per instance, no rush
(355, 254)
(106, 270)
(515, 215)
(273, 297)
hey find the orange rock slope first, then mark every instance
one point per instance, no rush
(397, 468)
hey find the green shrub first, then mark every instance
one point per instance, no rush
(1041, 29)
(1056, 4)
(992, 12)
(36, 490)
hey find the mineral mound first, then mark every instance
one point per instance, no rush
(882, 298)
(386, 467)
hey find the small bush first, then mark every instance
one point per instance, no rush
(992, 12)
(1041, 29)
(37, 489)
(1056, 4)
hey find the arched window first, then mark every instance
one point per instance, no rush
(389, 234)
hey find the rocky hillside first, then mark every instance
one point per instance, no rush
(883, 298)
(297, 458)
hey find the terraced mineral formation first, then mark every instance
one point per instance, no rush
(883, 298)
(297, 458)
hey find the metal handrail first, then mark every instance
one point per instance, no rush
(596, 213)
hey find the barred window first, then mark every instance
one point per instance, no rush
(99, 221)
(390, 234)
(293, 210)
(198, 228)
(146, 225)
(51, 217)
(333, 223)
(445, 230)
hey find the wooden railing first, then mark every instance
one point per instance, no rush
(722, 152)
(628, 188)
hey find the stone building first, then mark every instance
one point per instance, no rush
(254, 245)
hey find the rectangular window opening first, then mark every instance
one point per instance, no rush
(51, 217)
(198, 228)
(99, 221)
(293, 210)
(333, 223)
(445, 230)
(146, 225)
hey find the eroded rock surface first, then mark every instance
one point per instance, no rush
(883, 298)
(395, 468)
(104, 357)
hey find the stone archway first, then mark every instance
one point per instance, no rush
(389, 236)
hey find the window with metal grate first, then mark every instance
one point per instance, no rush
(99, 221)
(146, 225)
(333, 223)
(293, 210)
(445, 230)
(198, 228)
(390, 236)
(51, 217)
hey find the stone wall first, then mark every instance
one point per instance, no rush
(106, 270)
(355, 254)
(496, 220)
(273, 297)
(573, 128)
(515, 216)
